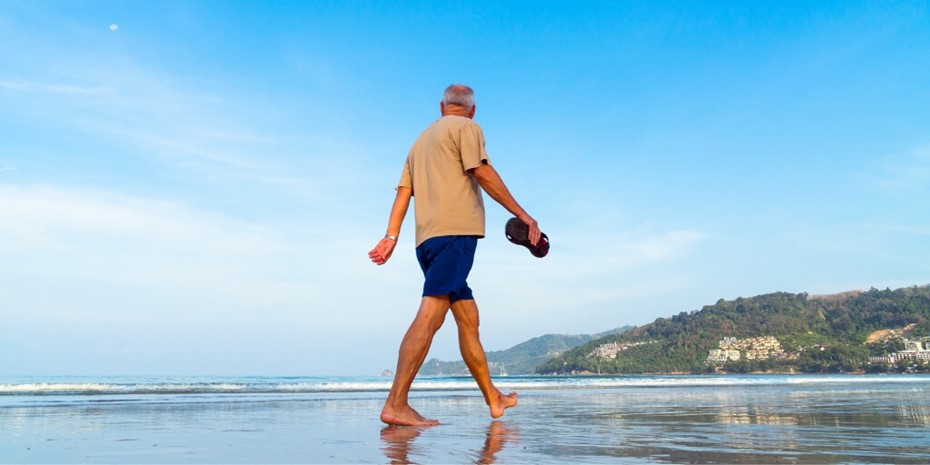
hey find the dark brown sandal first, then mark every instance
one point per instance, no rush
(518, 232)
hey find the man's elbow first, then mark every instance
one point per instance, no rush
(482, 173)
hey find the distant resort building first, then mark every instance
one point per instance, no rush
(753, 348)
(717, 356)
(608, 350)
(914, 349)
(611, 349)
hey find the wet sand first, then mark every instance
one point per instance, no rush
(752, 425)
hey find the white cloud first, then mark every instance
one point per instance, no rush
(586, 273)
(193, 128)
(597, 252)
(15, 86)
(108, 270)
(906, 171)
(104, 246)
(185, 124)
(43, 216)
(917, 230)
(79, 253)
(50, 88)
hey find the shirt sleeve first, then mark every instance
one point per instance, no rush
(406, 180)
(472, 146)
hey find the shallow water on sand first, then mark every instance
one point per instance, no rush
(740, 419)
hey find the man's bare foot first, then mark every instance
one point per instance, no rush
(406, 416)
(502, 402)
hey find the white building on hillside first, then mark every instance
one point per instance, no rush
(721, 356)
(914, 349)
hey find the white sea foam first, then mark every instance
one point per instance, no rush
(275, 385)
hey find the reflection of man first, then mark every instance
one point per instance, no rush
(398, 442)
(444, 170)
(499, 433)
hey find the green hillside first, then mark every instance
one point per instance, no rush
(809, 334)
(521, 359)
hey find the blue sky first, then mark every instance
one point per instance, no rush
(192, 187)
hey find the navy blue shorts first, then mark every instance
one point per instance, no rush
(446, 262)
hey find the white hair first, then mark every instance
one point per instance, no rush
(458, 94)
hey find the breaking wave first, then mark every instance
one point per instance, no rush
(116, 386)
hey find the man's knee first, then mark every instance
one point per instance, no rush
(433, 310)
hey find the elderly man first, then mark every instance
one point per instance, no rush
(445, 171)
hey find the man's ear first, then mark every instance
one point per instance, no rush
(471, 113)
(442, 108)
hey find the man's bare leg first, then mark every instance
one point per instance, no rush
(466, 318)
(412, 354)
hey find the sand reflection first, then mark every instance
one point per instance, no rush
(399, 443)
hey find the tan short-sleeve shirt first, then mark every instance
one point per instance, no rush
(447, 200)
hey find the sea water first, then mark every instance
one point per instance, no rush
(607, 419)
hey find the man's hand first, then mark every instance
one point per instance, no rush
(383, 251)
(533, 234)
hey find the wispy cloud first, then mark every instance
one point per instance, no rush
(190, 127)
(917, 230)
(588, 271)
(49, 88)
(597, 253)
(906, 171)
(60, 220)
(160, 248)
(192, 124)
(15, 86)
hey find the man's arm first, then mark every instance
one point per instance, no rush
(385, 247)
(491, 182)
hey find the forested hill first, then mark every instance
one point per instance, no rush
(521, 359)
(774, 332)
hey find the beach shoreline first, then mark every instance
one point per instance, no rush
(659, 419)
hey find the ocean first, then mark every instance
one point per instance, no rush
(598, 419)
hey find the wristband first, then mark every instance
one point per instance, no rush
(388, 236)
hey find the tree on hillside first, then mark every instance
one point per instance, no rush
(839, 325)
